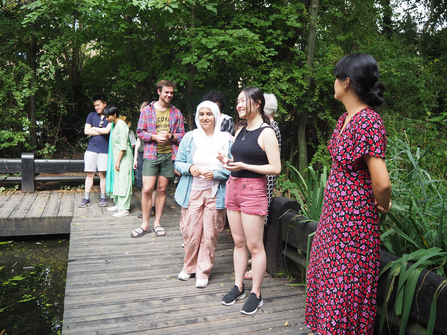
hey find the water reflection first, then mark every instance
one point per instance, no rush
(32, 277)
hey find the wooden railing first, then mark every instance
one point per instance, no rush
(288, 238)
(29, 168)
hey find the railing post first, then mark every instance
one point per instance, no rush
(273, 239)
(28, 172)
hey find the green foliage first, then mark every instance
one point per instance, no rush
(307, 191)
(47, 151)
(407, 281)
(416, 220)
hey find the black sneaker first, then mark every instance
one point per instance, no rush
(153, 211)
(231, 297)
(252, 304)
(84, 203)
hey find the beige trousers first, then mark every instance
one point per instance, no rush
(201, 224)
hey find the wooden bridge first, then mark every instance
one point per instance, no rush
(122, 285)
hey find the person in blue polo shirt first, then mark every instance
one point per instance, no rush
(95, 158)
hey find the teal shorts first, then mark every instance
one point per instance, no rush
(163, 166)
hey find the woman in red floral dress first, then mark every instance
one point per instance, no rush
(344, 261)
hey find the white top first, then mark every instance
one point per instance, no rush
(203, 161)
(132, 137)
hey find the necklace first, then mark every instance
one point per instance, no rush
(245, 133)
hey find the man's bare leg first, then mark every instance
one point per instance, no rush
(162, 185)
(102, 181)
(89, 181)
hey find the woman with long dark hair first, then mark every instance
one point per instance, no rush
(344, 261)
(119, 167)
(255, 154)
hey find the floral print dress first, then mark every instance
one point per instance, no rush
(344, 261)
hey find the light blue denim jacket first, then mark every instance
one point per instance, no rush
(182, 163)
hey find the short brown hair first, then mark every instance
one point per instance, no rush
(163, 83)
(144, 104)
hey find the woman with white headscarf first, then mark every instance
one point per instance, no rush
(201, 191)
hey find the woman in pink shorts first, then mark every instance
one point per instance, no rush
(255, 154)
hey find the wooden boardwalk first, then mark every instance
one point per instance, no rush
(119, 285)
(122, 285)
(50, 212)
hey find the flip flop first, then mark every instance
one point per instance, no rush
(140, 232)
(159, 229)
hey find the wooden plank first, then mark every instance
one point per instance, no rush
(66, 206)
(77, 212)
(52, 207)
(38, 206)
(117, 284)
(59, 178)
(13, 201)
(135, 205)
(10, 165)
(59, 165)
(21, 210)
(31, 227)
(3, 200)
(95, 208)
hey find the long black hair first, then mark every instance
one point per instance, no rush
(363, 72)
(111, 110)
(255, 94)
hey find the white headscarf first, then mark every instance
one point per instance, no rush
(211, 144)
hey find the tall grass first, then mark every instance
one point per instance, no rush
(417, 218)
(307, 190)
(414, 229)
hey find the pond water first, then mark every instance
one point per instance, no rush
(32, 277)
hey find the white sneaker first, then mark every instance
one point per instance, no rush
(112, 209)
(120, 213)
(183, 276)
(201, 283)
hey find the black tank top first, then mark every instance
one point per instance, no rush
(247, 150)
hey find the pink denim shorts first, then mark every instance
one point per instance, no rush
(247, 195)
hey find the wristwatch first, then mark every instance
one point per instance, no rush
(172, 137)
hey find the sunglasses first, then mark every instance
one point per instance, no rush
(101, 123)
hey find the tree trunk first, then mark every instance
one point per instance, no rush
(387, 22)
(303, 117)
(426, 26)
(190, 82)
(32, 47)
(142, 86)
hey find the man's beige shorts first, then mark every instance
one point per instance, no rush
(94, 162)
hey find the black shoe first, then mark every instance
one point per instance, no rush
(153, 211)
(231, 297)
(140, 215)
(252, 304)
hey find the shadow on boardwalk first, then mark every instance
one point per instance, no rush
(118, 285)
